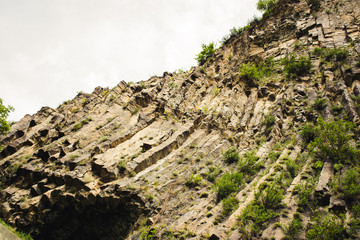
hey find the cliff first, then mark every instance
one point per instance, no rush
(217, 152)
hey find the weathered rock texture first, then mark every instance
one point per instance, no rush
(105, 164)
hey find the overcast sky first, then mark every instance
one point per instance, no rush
(52, 49)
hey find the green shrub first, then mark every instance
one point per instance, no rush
(230, 204)
(4, 113)
(229, 183)
(193, 181)
(318, 52)
(308, 132)
(206, 53)
(233, 32)
(260, 211)
(268, 122)
(247, 164)
(306, 193)
(292, 167)
(121, 165)
(254, 219)
(320, 103)
(264, 5)
(213, 173)
(355, 221)
(274, 155)
(231, 155)
(349, 185)
(250, 71)
(337, 55)
(328, 228)
(293, 229)
(296, 67)
(270, 197)
(333, 142)
(81, 124)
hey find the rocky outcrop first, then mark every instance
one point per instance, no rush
(114, 164)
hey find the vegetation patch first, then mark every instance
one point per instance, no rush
(329, 228)
(231, 155)
(229, 183)
(260, 211)
(296, 67)
(193, 181)
(333, 142)
(206, 53)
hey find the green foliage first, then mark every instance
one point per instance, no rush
(296, 67)
(249, 71)
(292, 167)
(348, 186)
(206, 53)
(233, 32)
(318, 52)
(148, 234)
(213, 173)
(320, 103)
(231, 155)
(355, 222)
(308, 132)
(193, 181)
(247, 164)
(230, 204)
(262, 209)
(268, 122)
(336, 55)
(81, 124)
(4, 113)
(264, 5)
(328, 228)
(274, 155)
(294, 228)
(257, 73)
(121, 165)
(333, 142)
(229, 183)
(270, 197)
(21, 235)
(306, 193)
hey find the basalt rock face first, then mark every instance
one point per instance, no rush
(117, 163)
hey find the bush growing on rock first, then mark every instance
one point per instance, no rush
(231, 155)
(249, 71)
(193, 181)
(328, 228)
(308, 132)
(4, 113)
(348, 186)
(264, 5)
(333, 142)
(296, 67)
(261, 210)
(229, 183)
(206, 53)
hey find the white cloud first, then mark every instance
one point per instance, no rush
(53, 49)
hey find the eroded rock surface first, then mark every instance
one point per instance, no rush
(104, 165)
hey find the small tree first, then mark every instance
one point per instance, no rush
(205, 54)
(333, 142)
(4, 113)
